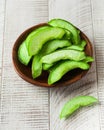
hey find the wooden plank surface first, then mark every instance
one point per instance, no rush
(26, 107)
(2, 12)
(23, 106)
(80, 14)
(98, 29)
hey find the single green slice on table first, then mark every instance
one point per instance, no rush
(23, 55)
(75, 103)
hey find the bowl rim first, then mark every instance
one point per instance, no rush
(41, 84)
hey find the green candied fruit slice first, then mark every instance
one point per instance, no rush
(40, 38)
(51, 46)
(67, 25)
(75, 103)
(33, 33)
(63, 55)
(23, 56)
(60, 69)
(36, 66)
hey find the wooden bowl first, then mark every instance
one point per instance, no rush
(25, 71)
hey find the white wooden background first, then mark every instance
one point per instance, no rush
(27, 107)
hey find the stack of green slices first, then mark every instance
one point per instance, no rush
(56, 47)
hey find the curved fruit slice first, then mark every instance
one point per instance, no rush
(86, 60)
(75, 103)
(36, 66)
(23, 56)
(51, 46)
(40, 38)
(63, 55)
(63, 67)
(67, 25)
(33, 33)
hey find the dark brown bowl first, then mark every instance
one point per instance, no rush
(25, 71)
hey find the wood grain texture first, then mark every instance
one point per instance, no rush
(80, 14)
(98, 29)
(2, 12)
(23, 106)
(26, 107)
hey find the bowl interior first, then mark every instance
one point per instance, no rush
(25, 71)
